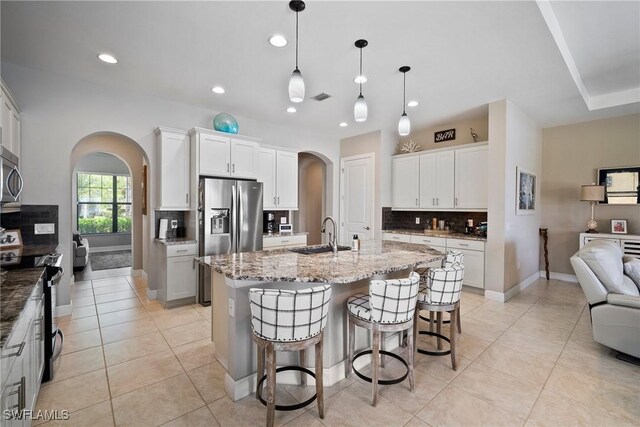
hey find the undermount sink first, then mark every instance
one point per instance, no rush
(310, 250)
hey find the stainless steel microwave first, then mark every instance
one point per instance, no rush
(12, 182)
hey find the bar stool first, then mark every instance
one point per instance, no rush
(440, 293)
(389, 307)
(284, 320)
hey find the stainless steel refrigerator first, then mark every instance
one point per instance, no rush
(229, 221)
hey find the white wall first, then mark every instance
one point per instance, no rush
(512, 252)
(58, 111)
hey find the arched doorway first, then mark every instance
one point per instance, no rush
(108, 215)
(313, 196)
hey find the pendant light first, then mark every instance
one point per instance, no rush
(360, 108)
(404, 125)
(296, 83)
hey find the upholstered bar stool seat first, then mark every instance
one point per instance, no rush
(288, 320)
(440, 293)
(389, 307)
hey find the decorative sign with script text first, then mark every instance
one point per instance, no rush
(444, 135)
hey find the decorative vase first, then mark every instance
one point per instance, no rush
(225, 122)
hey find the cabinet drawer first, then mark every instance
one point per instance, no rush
(181, 250)
(272, 242)
(397, 237)
(474, 245)
(430, 241)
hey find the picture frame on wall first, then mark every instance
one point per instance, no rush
(11, 239)
(144, 189)
(618, 226)
(526, 187)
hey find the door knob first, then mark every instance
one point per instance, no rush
(367, 228)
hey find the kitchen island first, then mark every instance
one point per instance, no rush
(234, 274)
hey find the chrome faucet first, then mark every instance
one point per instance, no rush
(333, 240)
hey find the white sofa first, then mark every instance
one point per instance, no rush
(614, 299)
(80, 253)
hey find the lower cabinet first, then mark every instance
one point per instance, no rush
(178, 283)
(23, 363)
(283, 242)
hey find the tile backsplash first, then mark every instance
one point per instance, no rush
(278, 216)
(393, 220)
(26, 219)
(177, 215)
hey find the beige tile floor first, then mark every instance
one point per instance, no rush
(531, 361)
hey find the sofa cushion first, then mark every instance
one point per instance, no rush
(632, 270)
(81, 252)
(604, 258)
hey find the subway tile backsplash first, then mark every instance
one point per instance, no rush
(26, 219)
(177, 215)
(394, 220)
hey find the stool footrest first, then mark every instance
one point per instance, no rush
(426, 319)
(382, 382)
(435, 353)
(287, 407)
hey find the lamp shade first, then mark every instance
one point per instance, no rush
(404, 125)
(360, 109)
(296, 86)
(592, 193)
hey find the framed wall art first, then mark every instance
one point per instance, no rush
(525, 192)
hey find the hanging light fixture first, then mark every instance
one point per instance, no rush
(360, 108)
(404, 125)
(296, 83)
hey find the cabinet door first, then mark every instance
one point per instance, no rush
(7, 114)
(215, 155)
(267, 175)
(428, 180)
(181, 278)
(174, 170)
(15, 133)
(445, 180)
(473, 268)
(406, 182)
(472, 178)
(243, 158)
(287, 180)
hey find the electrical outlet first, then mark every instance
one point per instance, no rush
(417, 220)
(232, 308)
(174, 223)
(283, 220)
(44, 229)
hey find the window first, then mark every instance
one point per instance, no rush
(104, 203)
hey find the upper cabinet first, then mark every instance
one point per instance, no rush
(406, 178)
(222, 155)
(445, 179)
(10, 121)
(472, 177)
(173, 169)
(278, 171)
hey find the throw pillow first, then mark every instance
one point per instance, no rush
(77, 238)
(632, 269)
(604, 258)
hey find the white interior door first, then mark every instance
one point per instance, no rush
(356, 198)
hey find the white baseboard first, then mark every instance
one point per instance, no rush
(560, 276)
(93, 250)
(506, 296)
(63, 310)
(152, 294)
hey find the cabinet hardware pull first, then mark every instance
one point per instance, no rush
(456, 201)
(284, 241)
(278, 199)
(186, 197)
(22, 397)
(17, 353)
(416, 201)
(433, 201)
(437, 202)
(274, 200)
(463, 244)
(233, 168)
(227, 167)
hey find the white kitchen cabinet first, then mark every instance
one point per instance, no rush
(243, 158)
(270, 243)
(215, 155)
(267, 175)
(178, 284)
(278, 172)
(10, 121)
(173, 169)
(472, 177)
(437, 180)
(406, 179)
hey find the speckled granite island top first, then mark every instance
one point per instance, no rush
(374, 258)
(15, 288)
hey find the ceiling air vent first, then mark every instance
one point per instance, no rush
(321, 96)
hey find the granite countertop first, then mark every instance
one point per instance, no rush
(15, 287)
(175, 241)
(298, 233)
(438, 233)
(374, 258)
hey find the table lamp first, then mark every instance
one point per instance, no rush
(592, 193)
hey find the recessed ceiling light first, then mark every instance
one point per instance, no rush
(291, 110)
(343, 124)
(107, 58)
(278, 41)
(412, 104)
(360, 79)
(217, 89)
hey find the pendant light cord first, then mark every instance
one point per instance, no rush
(404, 92)
(360, 71)
(296, 40)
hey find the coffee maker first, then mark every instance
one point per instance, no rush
(271, 223)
